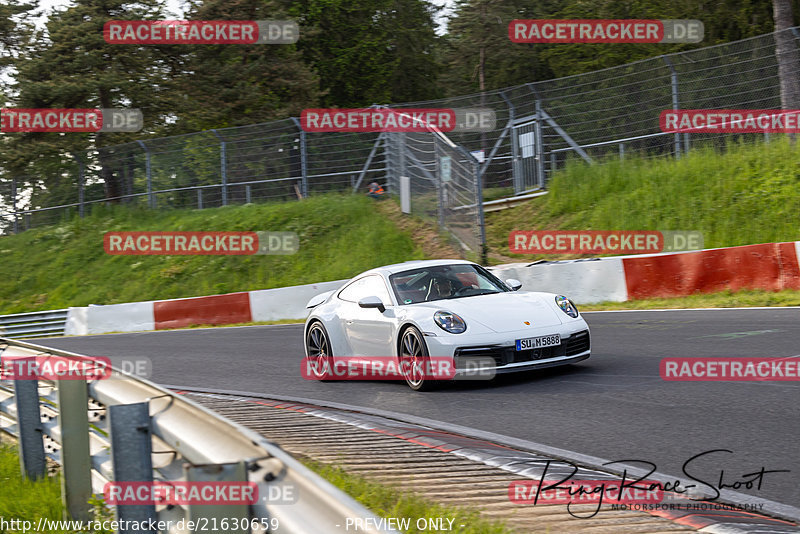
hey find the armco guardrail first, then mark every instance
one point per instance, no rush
(33, 324)
(124, 428)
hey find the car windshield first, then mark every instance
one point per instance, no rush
(440, 282)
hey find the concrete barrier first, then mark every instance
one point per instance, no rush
(770, 266)
(216, 309)
(287, 302)
(129, 317)
(584, 281)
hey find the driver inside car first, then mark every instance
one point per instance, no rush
(440, 288)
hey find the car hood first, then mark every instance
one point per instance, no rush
(504, 312)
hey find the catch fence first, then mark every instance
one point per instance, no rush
(610, 113)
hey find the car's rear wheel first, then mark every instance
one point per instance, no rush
(415, 360)
(318, 352)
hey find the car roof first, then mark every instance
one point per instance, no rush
(414, 264)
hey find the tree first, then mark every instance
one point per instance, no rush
(233, 85)
(787, 55)
(370, 52)
(71, 66)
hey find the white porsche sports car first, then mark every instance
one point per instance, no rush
(443, 309)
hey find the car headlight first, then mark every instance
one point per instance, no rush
(567, 306)
(449, 322)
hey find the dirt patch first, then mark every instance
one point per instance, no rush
(425, 235)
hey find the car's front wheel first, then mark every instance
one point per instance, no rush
(318, 352)
(415, 361)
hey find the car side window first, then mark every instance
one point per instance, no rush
(369, 286)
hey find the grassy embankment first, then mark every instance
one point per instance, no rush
(749, 194)
(58, 266)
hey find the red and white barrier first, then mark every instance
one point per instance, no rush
(244, 307)
(770, 266)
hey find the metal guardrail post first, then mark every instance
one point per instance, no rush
(199, 199)
(149, 175)
(223, 167)
(247, 194)
(303, 159)
(217, 515)
(73, 423)
(29, 426)
(622, 151)
(131, 450)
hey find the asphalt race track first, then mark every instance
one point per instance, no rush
(613, 406)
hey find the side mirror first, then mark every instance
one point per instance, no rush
(514, 284)
(372, 302)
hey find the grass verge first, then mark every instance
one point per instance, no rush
(387, 501)
(724, 299)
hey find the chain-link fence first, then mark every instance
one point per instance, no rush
(608, 113)
(438, 180)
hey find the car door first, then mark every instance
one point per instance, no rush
(368, 330)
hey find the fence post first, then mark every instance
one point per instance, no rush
(439, 182)
(80, 183)
(539, 145)
(675, 106)
(14, 204)
(199, 199)
(148, 173)
(29, 428)
(621, 151)
(131, 449)
(73, 423)
(223, 167)
(303, 159)
(516, 176)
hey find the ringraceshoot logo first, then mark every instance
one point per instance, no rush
(201, 32)
(605, 31)
(71, 120)
(200, 243)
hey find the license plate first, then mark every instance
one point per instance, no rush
(538, 342)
